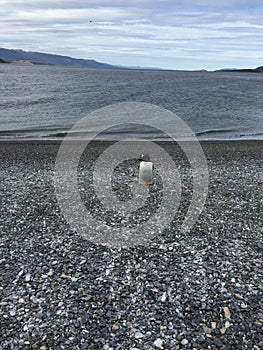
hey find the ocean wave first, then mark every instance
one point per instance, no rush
(47, 103)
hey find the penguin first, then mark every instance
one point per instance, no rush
(145, 170)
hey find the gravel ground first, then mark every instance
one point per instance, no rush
(201, 290)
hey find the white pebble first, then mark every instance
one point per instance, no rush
(213, 324)
(158, 343)
(184, 342)
(28, 277)
(227, 324)
(163, 298)
(20, 273)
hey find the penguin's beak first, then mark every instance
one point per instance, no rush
(137, 160)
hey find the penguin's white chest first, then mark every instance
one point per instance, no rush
(146, 173)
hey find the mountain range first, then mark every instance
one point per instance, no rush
(28, 57)
(245, 70)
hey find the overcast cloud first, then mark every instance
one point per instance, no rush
(183, 34)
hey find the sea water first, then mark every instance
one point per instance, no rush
(44, 102)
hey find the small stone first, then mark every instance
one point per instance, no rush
(218, 343)
(238, 296)
(34, 300)
(226, 312)
(138, 335)
(223, 330)
(20, 273)
(213, 325)
(115, 327)
(184, 341)
(28, 277)
(27, 342)
(206, 329)
(208, 335)
(158, 343)
(243, 305)
(227, 324)
(12, 312)
(43, 347)
(163, 298)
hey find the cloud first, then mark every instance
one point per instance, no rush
(162, 33)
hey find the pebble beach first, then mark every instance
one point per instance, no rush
(198, 290)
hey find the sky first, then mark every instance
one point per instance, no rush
(170, 34)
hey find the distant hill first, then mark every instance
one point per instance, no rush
(29, 58)
(49, 59)
(245, 70)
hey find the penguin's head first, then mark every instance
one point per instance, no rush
(143, 158)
